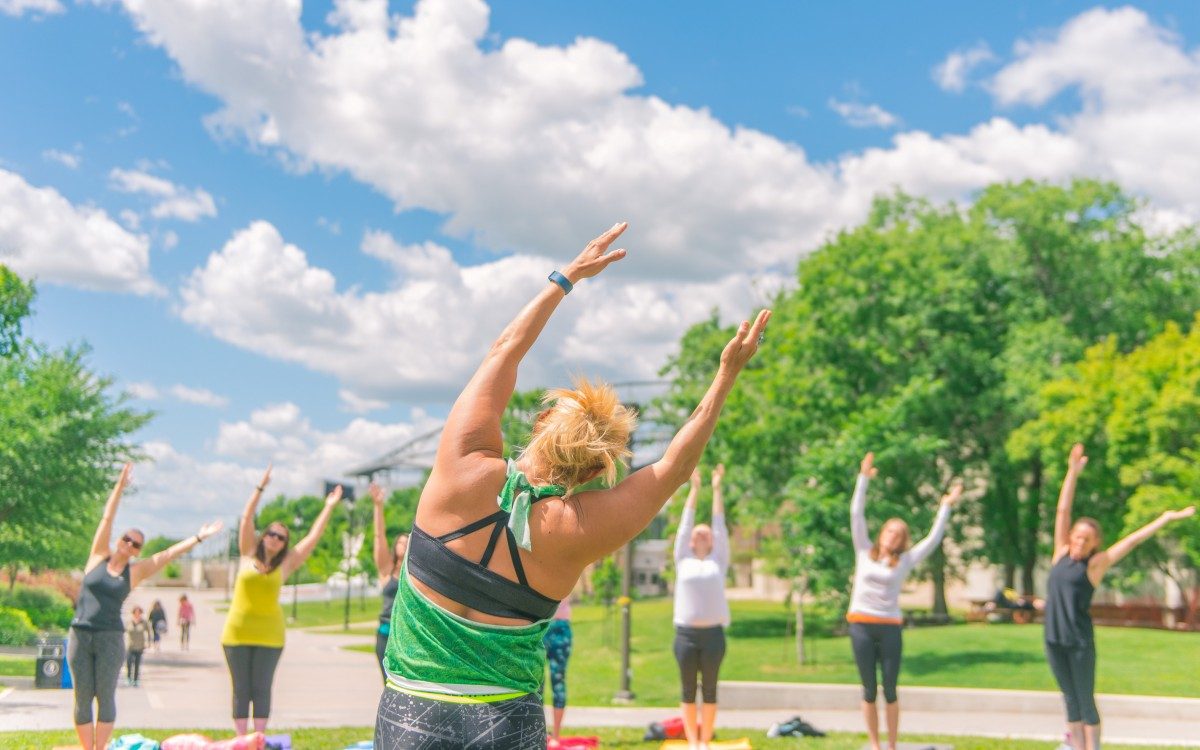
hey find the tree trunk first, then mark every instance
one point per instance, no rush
(938, 561)
(1010, 575)
(1033, 528)
(801, 588)
(12, 576)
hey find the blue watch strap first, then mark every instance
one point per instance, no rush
(562, 281)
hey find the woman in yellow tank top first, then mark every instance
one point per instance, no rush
(254, 631)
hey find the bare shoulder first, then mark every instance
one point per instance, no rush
(460, 495)
(1059, 553)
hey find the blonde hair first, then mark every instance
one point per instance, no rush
(893, 558)
(583, 432)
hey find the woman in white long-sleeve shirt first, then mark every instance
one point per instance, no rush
(874, 615)
(701, 611)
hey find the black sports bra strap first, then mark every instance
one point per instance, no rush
(491, 545)
(515, 554)
(497, 517)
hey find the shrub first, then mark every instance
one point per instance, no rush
(46, 608)
(16, 629)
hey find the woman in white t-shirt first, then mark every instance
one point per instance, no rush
(874, 615)
(701, 611)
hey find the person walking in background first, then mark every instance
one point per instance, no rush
(387, 562)
(1076, 570)
(701, 609)
(254, 628)
(158, 623)
(137, 637)
(874, 615)
(96, 648)
(187, 616)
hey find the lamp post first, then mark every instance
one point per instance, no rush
(297, 525)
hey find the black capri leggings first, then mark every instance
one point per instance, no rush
(252, 669)
(699, 652)
(95, 658)
(1074, 668)
(877, 644)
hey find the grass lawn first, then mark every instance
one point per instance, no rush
(21, 666)
(1132, 660)
(332, 739)
(315, 614)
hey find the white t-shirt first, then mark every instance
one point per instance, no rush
(700, 582)
(877, 584)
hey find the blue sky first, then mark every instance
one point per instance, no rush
(293, 238)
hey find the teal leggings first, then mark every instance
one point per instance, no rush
(558, 651)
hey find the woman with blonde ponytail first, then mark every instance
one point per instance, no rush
(465, 658)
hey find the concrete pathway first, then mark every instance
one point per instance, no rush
(321, 685)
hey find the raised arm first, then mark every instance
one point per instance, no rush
(298, 554)
(247, 537)
(923, 548)
(102, 541)
(610, 518)
(1102, 561)
(1066, 498)
(688, 520)
(383, 554)
(473, 425)
(720, 533)
(143, 569)
(858, 504)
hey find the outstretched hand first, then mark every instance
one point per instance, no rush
(595, 257)
(335, 497)
(376, 493)
(952, 497)
(1077, 460)
(1179, 515)
(745, 342)
(867, 466)
(717, 475)
(209, 529)
(126, 475)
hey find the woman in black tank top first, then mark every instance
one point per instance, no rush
(96, 647)
(387, 562)
(1078, 566)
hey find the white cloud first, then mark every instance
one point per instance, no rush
(199, 396)
(423, 337)
(859, 115)
(143, 391)
(356, 404)
(951, 74)
(35, 8)
(177, 491)
(170, 240)
(65, 158)
(43, 235)
(174, 202)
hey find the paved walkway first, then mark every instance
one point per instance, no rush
(320, 684)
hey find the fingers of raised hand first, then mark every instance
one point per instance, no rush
(601, 243)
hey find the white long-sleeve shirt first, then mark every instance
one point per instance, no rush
(700, 582)
(877, 584)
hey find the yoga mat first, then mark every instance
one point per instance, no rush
(742, 743)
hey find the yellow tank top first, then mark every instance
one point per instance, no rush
(255, 617)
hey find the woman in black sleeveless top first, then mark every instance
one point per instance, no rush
(387, 562)
(96, 648)
(1078, 566)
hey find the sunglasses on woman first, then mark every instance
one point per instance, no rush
(131, 542)
(276, 535)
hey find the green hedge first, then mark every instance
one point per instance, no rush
(47, 609)
(16, 629)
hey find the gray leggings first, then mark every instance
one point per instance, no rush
(252, 669)
(1074, 668)
(95, 658)
(877, 644)
(699, 652)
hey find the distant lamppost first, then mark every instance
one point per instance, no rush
(297, 525)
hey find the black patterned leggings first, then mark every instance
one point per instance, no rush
(409, 722)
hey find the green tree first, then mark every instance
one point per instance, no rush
(62, 434)
(1140, 415)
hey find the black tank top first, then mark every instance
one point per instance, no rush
(1068, 601)
(388, 592)
(100, 599)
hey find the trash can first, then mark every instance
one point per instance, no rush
(51, 656)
